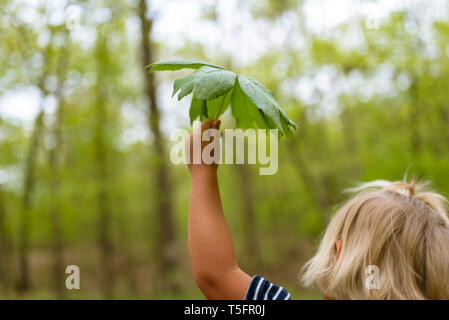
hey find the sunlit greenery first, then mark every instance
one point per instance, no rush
(81, 179)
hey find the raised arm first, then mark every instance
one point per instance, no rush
(211, 250)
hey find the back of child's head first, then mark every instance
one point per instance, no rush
(401, 229)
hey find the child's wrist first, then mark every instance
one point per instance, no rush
(203, 171)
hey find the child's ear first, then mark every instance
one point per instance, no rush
(338, 247)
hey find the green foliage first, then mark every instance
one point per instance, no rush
(198, 108)
(264, 100)
(368, 134)
(179, 64)
(244, 110)
(252, 104)
(209, 83)
(218, 106)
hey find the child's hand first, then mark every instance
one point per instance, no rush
(199, 164)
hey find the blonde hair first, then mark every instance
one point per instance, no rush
(400, 228)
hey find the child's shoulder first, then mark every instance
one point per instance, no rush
(262, 289)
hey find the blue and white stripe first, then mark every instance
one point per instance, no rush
(262, 289)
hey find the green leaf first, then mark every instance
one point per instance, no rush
(215, 104)
(244, 111)
(214, 89)
(198, 108)
(179, 64)
(211, 83)
(185, 84)
(287, 123)
(264, 100)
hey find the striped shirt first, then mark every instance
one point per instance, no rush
(262, 289)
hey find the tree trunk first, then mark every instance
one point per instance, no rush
(24, 227)
(250, 223)
(4, 249)
(101, 162)
(54, 164)
(165, 242)
(312, 185)
(414, 116)
(24, 281)
(128, 259)
(55, 216)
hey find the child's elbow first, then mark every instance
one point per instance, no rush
(205, 278)
(208, 282)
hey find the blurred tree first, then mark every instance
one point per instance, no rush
(5, 257)
(249, 216)
(29, 176)
(102, 56)
(165, 241)
(370, 103)
(55, 154)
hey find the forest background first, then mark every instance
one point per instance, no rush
(85, 175)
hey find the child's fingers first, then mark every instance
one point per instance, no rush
(216, 124)
(207, 124)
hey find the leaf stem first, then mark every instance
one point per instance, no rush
(219, 108)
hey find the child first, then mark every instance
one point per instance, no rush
(394, 228)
